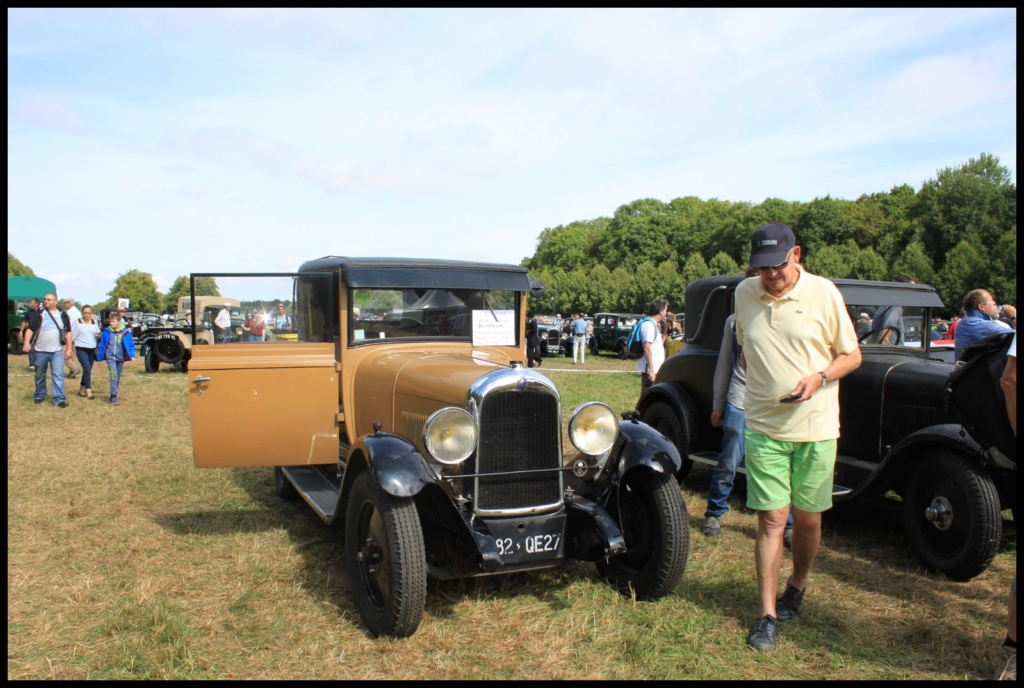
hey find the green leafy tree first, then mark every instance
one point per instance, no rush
(827, 261)
(962, 272)
(139, 288)
(822, 222)
(205, 286)
(638, 233)
(974, 202)
(568, 247)
(723, 264)
(695, 268)
(913, 262)
(15, 268)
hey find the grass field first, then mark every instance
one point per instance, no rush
(125, 562)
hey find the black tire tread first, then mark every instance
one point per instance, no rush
(660, 575)
(984, 513)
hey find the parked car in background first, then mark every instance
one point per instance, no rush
(436, 447)
(900, 442)
(171, 343)
(550, 332)
(611, 333)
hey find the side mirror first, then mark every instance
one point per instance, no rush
(537, 288)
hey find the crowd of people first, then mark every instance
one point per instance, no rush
(55, 338)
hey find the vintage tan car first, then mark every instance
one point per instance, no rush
(423, 431)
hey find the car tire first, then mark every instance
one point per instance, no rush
(14, 344)
(169, 351)
(387, 561)
(621, 351)
(283, 487)
(593, 347)
(663, 418)
(951, 515)
(652, 514)
(151, 362)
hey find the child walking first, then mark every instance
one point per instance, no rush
(116, 347)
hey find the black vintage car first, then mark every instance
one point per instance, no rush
(899, 441)
(611, 333)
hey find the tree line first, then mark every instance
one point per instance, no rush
(957, 233)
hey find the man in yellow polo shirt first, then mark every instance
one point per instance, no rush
(798, 341)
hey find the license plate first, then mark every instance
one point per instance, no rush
(544, 544)
(524, 540)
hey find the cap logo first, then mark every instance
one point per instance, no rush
(768, 242)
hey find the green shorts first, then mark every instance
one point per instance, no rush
(782, 473)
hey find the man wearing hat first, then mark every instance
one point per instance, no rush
(798, 341)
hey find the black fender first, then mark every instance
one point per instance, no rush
(395, 463)
(640, 445)
(898, 462)
(677, 396)
(592, 534)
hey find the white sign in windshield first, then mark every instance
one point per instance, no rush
(494, 328)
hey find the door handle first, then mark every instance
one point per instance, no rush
(200, 380)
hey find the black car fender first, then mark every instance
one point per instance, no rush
(640, 445)
(395, 463)
(676, 396)
(900, 458)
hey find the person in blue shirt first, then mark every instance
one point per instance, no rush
(980, 320)
(579, 337)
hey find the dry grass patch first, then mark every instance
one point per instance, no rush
(125, 562)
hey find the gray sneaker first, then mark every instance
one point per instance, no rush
(788, 606)
(762, 636)
(712, 526)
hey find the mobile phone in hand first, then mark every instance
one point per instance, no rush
(789, 398)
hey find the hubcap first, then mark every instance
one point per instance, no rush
(940, 513)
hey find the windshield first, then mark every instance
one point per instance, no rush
(424, 313)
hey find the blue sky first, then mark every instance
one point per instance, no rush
(178, 141)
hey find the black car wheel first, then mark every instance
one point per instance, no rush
(651, 512)
(387, 561)
(951, 516)
(169, 351)
(665, 420)
(621, 350)
(283, 487)
(151, 362)
(593, 346)
(14, 344)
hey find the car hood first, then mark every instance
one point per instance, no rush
(418, 382)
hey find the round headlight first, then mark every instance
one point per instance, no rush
(593, 428)
(450, 435)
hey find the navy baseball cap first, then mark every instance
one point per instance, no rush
(770, 244)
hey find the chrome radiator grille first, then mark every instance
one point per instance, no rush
(519, 430)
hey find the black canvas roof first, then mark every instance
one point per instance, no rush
(421, 272)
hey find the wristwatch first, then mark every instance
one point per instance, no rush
(824, 377)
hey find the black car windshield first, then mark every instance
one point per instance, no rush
(424, 313)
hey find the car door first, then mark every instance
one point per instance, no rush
(264, 404)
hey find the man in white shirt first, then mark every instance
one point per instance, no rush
(654, 344)
(223, 323)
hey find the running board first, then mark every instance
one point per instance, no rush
(317, 485)
(711, 459)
